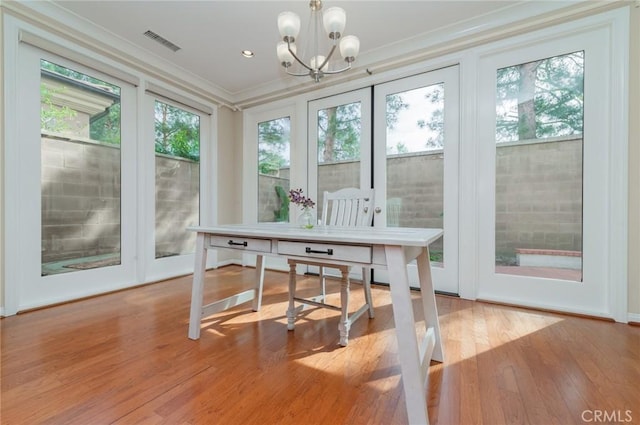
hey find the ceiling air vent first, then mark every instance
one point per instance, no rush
(160, 39)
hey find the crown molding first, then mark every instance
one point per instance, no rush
(512, 20)
(54, 19)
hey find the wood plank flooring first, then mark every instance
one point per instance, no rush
(125, 358)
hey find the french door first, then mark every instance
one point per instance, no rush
(93, 206)
(415, 146)
(339, 150)
(544, 129)
(73, 205)
(416, 164)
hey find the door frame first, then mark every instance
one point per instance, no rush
(446, 278)
(24, 185)
(603, 39)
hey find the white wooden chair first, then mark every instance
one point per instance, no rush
(349, 207)
(394, 205)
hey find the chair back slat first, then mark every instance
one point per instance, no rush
(350, 207)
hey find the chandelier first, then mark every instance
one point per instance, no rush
(334, 20)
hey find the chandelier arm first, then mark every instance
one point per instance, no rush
(337, 71)
(289, 26)
(298, 60)
(296, 74)
(326, 60)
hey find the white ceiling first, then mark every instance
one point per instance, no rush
(212, 34)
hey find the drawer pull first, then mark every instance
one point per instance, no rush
(312, 251)
(231, 242)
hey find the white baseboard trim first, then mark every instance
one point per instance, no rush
(228, 263)
(634, 317)
(1, 311)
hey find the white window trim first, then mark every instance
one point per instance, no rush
(615, 219)
(13, 29)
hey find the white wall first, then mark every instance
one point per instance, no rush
(2, 125)
(229, 161)
(634, 167)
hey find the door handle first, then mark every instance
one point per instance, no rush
(378, 210)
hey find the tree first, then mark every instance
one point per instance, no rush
(339, 129)
(104, 127)
(435, 96)
(53, 117)
(177, 132)
(540, 99)
(273, 142)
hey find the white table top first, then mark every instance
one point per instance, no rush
(403, 236)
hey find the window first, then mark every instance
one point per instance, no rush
(539, 167)
(339, 141)
(273, 169)
(81, 168)
(177, 159)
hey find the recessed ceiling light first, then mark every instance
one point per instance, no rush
(247, 53)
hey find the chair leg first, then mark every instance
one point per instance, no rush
(291, 311)
(366, 285)
(345, 322)
(257, 295)
(323, 288)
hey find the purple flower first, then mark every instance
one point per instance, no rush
(296, 196)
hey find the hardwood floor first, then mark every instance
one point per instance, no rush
(125, 358)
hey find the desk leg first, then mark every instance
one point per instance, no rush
(345, 323)
(257, 293)
(291, 311)
(408, 352)
(195, 317)
(429, 307)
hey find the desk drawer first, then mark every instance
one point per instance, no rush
(355, 253)
(245, 244)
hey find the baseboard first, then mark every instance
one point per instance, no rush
(1, 311)
(634, 319)
(227, 263)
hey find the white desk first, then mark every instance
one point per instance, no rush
(386, 248)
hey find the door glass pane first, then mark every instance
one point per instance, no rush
(415, 161)
(273, 170)
(339, 138)
(539, 121)
(81, 163)
(177, 152)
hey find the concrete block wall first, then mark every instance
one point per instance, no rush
(268, 201)
(538, 196)
(177, 204)
(538, 193)
(80, 199)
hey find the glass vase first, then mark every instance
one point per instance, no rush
(305, 220)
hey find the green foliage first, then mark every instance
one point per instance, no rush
(52, 117)
(339, 131)
(282, 213)
(273, 145)
(177, 132)
(395, 104)
(557, 87)
(106, 127)
(435, 96)
(78, 76)
(103, 127)
(401, 148)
